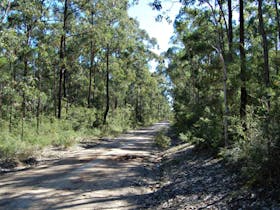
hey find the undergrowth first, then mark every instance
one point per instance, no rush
(162, 140)
(20, 140)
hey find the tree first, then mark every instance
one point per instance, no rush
(243, 76)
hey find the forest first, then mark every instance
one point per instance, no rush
(224, 68)
(80, 69)
(73, 69)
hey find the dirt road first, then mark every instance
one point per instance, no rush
(108, 176)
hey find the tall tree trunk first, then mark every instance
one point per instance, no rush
(38, 103)
(11, 101)
(54, 91)
(25, 73)
(107, 86)
(61, 71)
(226, 111)
(243, 76)
(92, 55)
(278, 32)
(221, 52)
(230, 31)
(277, 18)
(62, 57)
(265, 47)
(91, 69)
(266, 74)
(65, 75)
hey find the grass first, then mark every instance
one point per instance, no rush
(78, 124)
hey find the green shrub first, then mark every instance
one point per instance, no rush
(12, 147)
(256, 151)
(81, 118)
(65, 139)
(161, 140)
(118, 121)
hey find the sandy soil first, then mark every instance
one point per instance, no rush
(111, 175)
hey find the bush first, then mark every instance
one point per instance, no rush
(257, 150)
(161, 140)
(81, 118)
(65, 139)
(11, 147)
(118, 121)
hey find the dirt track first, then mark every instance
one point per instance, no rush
(108, 176)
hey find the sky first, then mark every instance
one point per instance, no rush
(162, 31)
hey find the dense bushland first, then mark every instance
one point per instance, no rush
(225, 75)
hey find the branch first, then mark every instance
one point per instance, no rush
(6, 11)
(223, 14)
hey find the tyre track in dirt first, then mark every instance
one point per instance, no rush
(111, 175)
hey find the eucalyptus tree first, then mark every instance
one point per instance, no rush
(243, 76)
(26, 20)
(265, 45)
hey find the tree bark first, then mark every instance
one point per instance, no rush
(265, 45)
(91, 72)
(38, 103)
(54, 91)
(243, 76)
(91, 68)
(62, 57)
(107, 86)
(25, 73)
(278, 32)
(220, 50)
(277, 19)
(230, 31)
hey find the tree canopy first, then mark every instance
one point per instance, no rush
(73, 68)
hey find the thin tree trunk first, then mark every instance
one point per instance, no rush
(92, 54)
(7, 10)
(54, 92)
(278, 32)
(1, 111)
(62, 71)
(230, 31)
(226, 112)
(265, 66)
(65, 75)
(243, 76)
(277, 18)
(107, 86)
(38, 103)
(11, 98)
(265, 48)
(220, 50)
(25, 73)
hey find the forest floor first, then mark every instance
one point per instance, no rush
(128, 172)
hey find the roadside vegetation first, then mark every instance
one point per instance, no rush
(225, 75)
(162, 140)
(72, 70)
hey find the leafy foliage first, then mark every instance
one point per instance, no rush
(72, 60)
(208, 84)
(162, 140)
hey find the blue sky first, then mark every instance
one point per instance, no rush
(162, 31)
